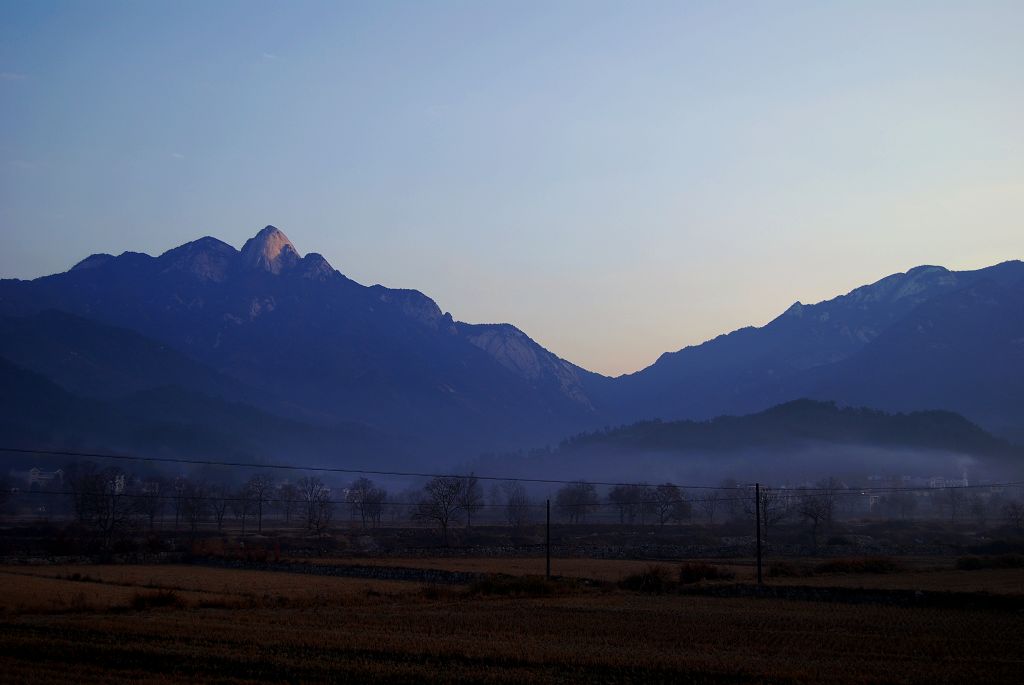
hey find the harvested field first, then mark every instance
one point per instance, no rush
(306, 627)
(913, 574)
(104, 587)
(996, 581)
(611, 570)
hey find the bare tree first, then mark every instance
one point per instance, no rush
(775, 508)
(576, 500)
(827, 489)
(624, 499)
(669, 503)
(708, 502)
(180, 483)
(195, 505)
(953, 500)
(734, 506)
(83, 480)
(259, 486)
(1014, 513)
(902, 504)
(219, 497)
(149, 502)
(978, 506)
(440, 502)
(471, 499)
(645, 502)
(5, 491)
(633, 501)
(100, 499)
(316, 498)
(517, 503)
(242, 504)
(288, 500)
(813, 507)
(367, 500)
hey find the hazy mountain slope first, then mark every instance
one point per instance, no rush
(94, 360)
(962, 351)
(296, 329)
(801, 421)
(796, 442)
(291, 335)
(805, 350)
(36, 413)
(518, 353)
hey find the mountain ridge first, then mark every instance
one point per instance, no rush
(290, 334)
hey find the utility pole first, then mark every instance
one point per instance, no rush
(547, 542)
(757, 509)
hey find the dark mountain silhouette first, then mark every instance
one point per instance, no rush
(289, 338)
(38, 414)
(962, 351)
(96, 360)
(795, 442)
(321, 347)
(800, 422)
(925, 339)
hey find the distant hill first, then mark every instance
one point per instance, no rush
(794, 442)
(798, 423)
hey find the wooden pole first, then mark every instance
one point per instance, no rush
(757, 509)
(547, 542)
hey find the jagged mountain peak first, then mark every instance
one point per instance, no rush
(93, 261)
(270, 249)
(207, 258)
(315, 266)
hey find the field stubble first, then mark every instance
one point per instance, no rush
(247, 626)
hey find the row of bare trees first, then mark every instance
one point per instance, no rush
(815, 506)
(639, 503)
(196, 502)
(108, 501)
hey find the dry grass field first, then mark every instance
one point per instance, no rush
(611, 570)
(197, 624)
(915, 574)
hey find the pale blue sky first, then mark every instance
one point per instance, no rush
(617, 179)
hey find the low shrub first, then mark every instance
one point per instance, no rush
(858, 565)
(788, 569)
(975, 563)
(697, 571)
(653, 579)
(518, 586)
(153, 600)
(218, 603)
(433, 592)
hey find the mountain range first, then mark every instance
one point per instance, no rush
(268, 352)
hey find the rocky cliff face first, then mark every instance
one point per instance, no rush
(271, 250)
(325, 348)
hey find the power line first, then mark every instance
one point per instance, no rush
(790, 492)
(327, 469)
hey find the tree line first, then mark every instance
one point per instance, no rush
(108, 501)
